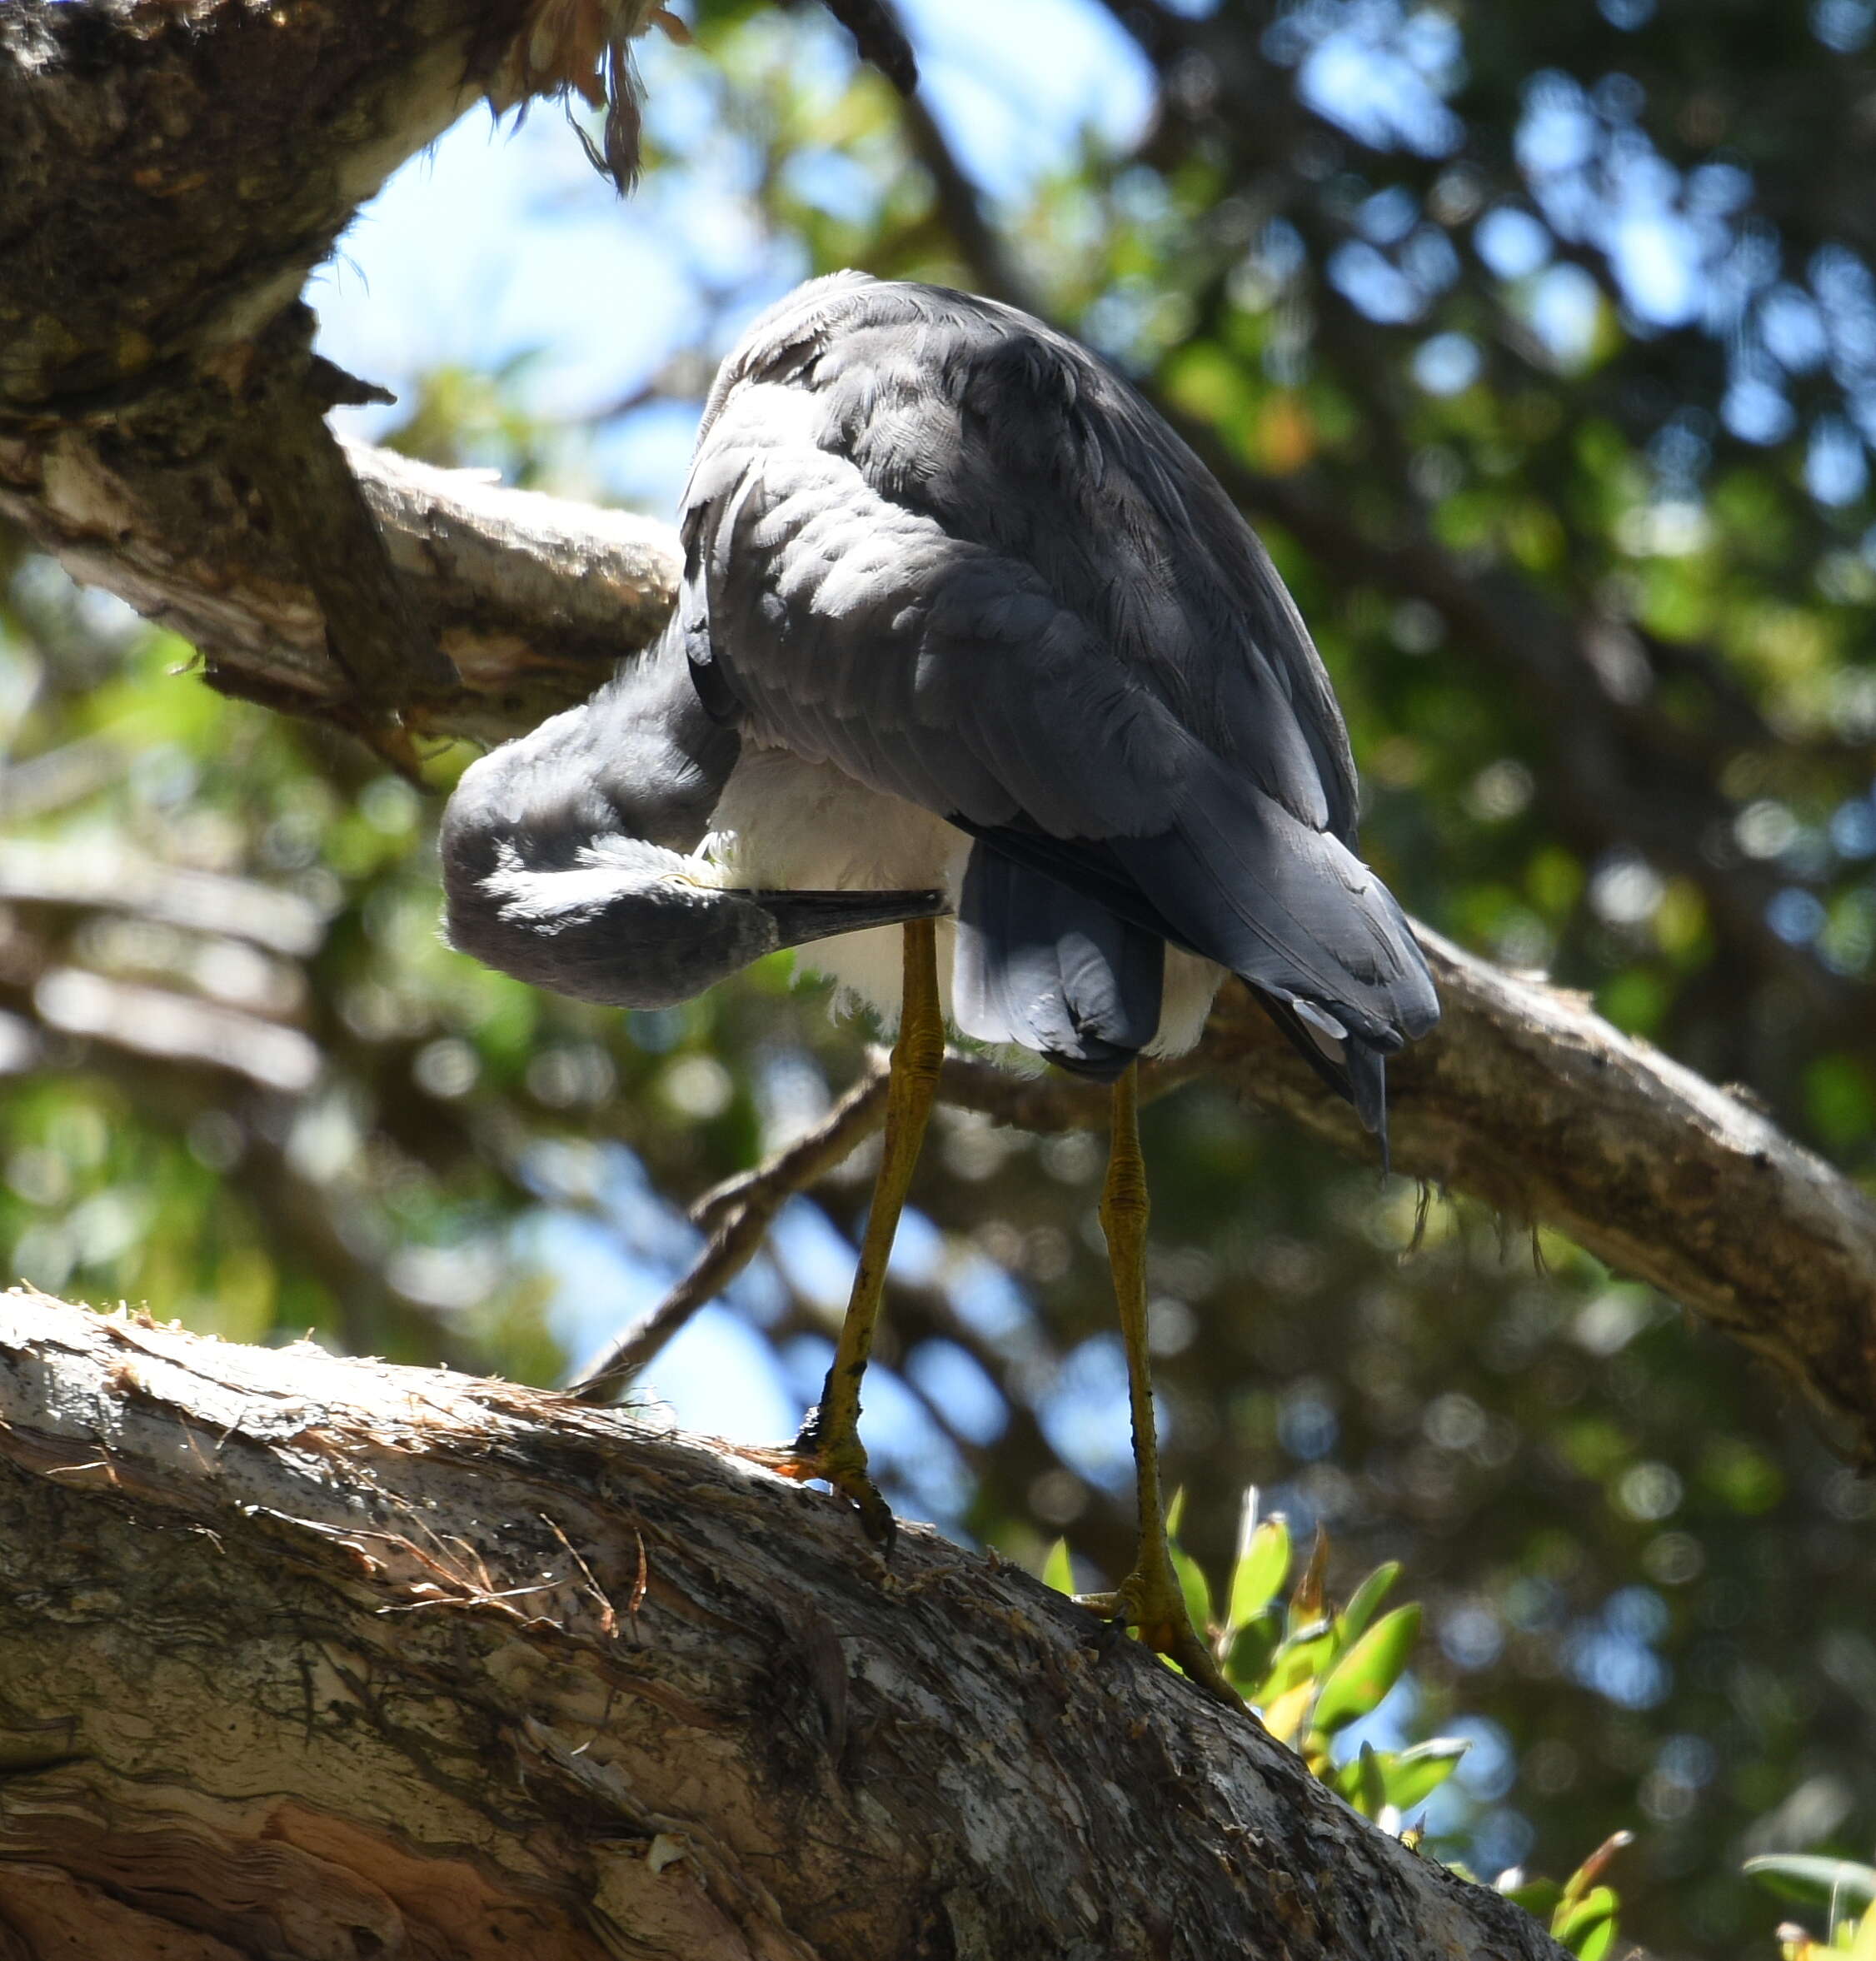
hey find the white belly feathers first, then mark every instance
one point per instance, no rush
(789, 825)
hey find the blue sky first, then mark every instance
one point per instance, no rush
(502, 242)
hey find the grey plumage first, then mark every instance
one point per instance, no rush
(642, 759)
(937, 546)
(1046, 967)
(566, 853)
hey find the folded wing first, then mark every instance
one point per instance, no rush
(935, 544)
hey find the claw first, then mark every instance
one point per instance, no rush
(1149, 1599)
(841, 1467)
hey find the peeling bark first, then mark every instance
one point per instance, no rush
(302, 1657)
(533, 601)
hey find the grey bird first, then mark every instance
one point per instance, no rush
(979, 687)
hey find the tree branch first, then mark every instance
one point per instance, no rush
(1523, 1098)
(533, 599)
(352, 1658)
(737, 1214)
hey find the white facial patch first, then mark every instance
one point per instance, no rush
(606, 869)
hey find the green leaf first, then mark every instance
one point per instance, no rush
(1284, 1714)
(1598, 1941)
(1364, 1675)
(1058, 1569)
(1301, 1657)
(1538, 1898)
(1575, 1921)
(1414, 1775)
(1198, 1594)
(1248, 1660)
(1175, 1514)
(1813, 1879)
(1363, 1781)
(1260, 1572)
(1367, 1600)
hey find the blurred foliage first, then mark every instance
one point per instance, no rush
(1540, 343)
(1843, 1888)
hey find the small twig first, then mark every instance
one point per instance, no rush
(477, 1599)
(738, 1214)
(879, 39)
(960, 204)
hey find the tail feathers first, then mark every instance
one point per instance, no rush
(1289, 908)
(1043, 965)
(1296, 914)
(1352, 1068)
(1368, 1087)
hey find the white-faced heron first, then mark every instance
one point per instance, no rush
(970, 644)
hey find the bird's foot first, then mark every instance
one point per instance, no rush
(839, 1462)
(1151, 1600)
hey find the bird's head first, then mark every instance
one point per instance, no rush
(630, 924)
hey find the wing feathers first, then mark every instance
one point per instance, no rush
(1289, 908)
(942, 547)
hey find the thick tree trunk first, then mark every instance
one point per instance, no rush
(318, 1659)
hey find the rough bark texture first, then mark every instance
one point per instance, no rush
(173, 173)
(533, 601)
(320, 1659)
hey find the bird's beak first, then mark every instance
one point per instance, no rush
(803, 916)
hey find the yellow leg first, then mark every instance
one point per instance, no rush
(829, 1446)
(1150, 1598)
